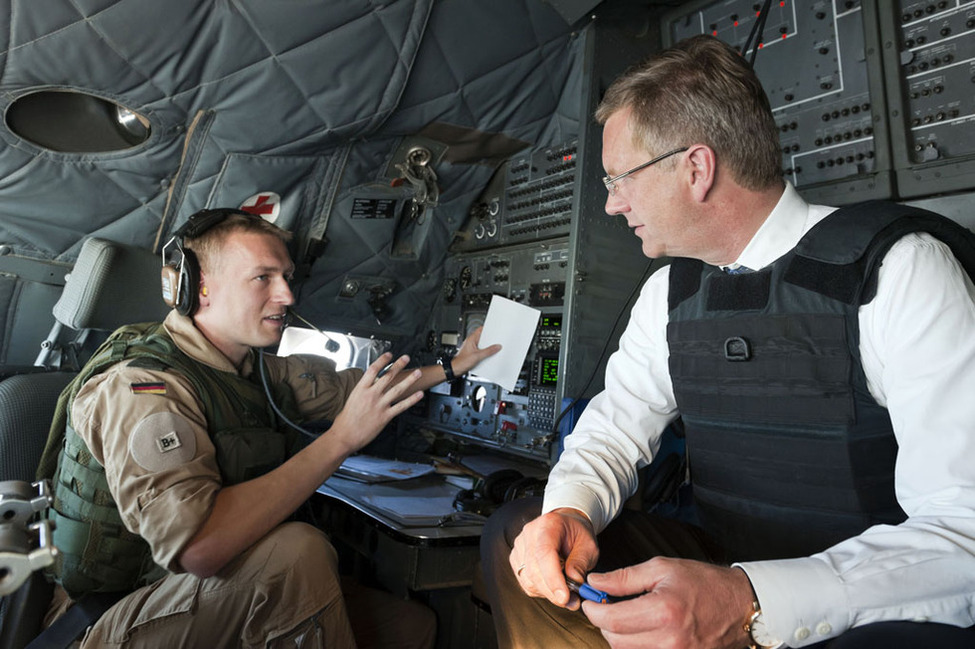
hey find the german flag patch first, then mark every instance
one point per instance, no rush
(148, 388)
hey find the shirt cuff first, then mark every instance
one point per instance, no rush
(575, 497)
(157, 527)
(802, 600)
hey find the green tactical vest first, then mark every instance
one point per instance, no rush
(96, 552)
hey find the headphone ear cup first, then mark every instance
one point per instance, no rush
(181, 272)
(524, 487)
(170, 285)
(497, 483)
(188, 284)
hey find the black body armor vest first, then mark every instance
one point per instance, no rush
(789, 452)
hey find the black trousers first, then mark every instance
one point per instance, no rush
(524, 622)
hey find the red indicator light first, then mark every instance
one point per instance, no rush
(714, 33)
(784, 36)
(736, 23)
(761, 45)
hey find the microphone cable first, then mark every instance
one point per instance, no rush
(331, 346)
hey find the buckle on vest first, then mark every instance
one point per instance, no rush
(737, 348)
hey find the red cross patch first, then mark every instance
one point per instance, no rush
(264, 204)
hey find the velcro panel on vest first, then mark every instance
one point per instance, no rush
(745, 292)
(780, 381)
(685, 280)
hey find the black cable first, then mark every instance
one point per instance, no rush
(761, 31)
(756, 33)
(602, 352)
(270, 399)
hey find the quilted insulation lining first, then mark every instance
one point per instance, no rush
(304, 98)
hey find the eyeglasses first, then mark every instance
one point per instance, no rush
(611, 182)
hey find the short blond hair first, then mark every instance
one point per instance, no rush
(701, 91)
(208, 244)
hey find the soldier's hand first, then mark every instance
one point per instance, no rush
(374, 401)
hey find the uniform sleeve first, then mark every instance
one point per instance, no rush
(619, 431)
(319, 389)
(147, 429)
(918, 351)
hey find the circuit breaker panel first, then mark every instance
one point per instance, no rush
(819, 65)
(929, 53)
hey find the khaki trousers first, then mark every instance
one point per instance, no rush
(282, 592)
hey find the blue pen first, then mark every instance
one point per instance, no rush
(586, 591)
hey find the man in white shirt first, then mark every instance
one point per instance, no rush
(827, 398)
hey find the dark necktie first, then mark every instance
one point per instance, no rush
(738, 271)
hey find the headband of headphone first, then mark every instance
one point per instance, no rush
(181, 269)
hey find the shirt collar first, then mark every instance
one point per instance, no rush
(194, 344)
(788, 221)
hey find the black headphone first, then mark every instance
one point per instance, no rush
(181, 269)
(495, 489)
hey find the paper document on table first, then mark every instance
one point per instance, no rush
(367, 468)
(411, 509)
(513, 326)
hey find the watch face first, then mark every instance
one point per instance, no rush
(760, 633)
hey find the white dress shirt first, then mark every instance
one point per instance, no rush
(917, 346)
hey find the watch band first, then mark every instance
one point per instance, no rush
(448, 368)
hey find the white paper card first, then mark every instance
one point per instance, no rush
(513, 326)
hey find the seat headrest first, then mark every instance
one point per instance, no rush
(112, 284)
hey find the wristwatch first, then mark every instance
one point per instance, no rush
(759, 634)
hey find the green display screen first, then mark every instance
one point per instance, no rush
(549, 371)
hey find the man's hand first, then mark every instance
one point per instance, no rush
(686, 604)
(374, 402)
(537, 555)
(470, 354)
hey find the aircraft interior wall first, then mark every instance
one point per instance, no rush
(431, 154)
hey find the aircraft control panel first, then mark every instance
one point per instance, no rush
(536, 237)
(520, 420)
(929, 51)
(811, 59)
